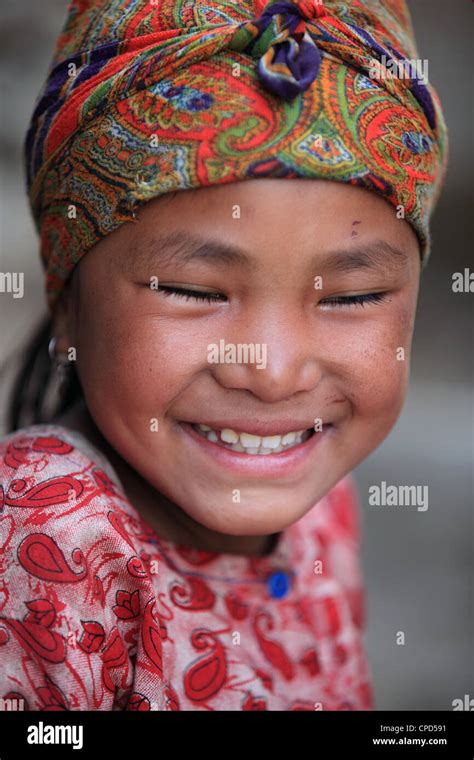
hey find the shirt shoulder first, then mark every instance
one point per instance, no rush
(338, 514)
(73, 584)
(48, 447)
(331, 535)
(52, 480)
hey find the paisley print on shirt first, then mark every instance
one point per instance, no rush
(98, 612)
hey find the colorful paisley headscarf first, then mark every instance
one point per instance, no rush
(145, 97)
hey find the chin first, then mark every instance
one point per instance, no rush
(242, 520)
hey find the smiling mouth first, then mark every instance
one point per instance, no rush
(247, 443)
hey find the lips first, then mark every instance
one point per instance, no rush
(218, 457)
(250, 443)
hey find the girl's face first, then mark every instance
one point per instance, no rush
(263, 309)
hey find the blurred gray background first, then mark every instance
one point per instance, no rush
(418, 566)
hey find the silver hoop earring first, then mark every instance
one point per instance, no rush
(62, 367)
(60, 360)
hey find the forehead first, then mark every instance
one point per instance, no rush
(268, 206)
(251, 225)
(235, 225)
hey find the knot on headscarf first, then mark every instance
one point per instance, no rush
(285, 39)
(289, 60)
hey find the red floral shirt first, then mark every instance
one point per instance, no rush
(98, 612)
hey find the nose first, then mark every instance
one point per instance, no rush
(278, 356)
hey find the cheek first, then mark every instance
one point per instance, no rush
(138, 362)
(377, 362)
(380, 383)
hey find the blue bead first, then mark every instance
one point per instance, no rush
(278, 584)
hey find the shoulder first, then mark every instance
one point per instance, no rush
(345, 507)
(72, 577)
(332, 532)
(337, 514)
(49, 449)
(52, 478)
(49, 466)
(57, 486)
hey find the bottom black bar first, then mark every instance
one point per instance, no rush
(423, 734)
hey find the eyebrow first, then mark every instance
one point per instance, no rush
(180, 248)
(376, 254)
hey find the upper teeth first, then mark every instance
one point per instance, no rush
(253, 444)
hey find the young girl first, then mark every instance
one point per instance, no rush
(253, 189)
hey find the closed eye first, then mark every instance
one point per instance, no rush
(357, 300)
(187, 294)
(208, 297)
